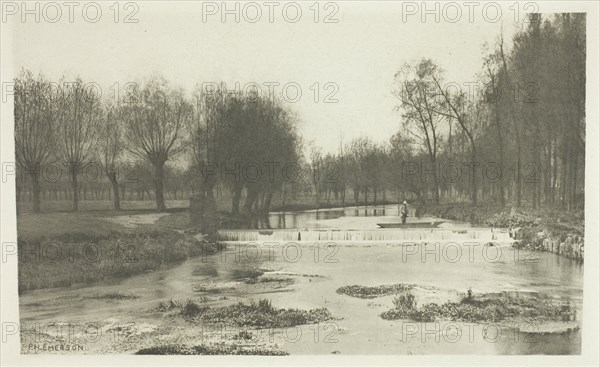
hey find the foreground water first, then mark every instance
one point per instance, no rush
(306, 275)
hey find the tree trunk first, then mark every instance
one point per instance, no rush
(159, 185)
(75, 187)
(501, 188)
(251, 197)
(267, 201)
(235, 202)
(563, 175)
(474, 187)
(436, 189)
(547, 172)
(554, 171)
(112, 177)
(35, 188)
(518, 169)
(573, 195)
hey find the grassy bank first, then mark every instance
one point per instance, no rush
(64, 249)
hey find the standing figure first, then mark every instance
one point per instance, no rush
(404, 212)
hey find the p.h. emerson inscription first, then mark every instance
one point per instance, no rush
(299, 183)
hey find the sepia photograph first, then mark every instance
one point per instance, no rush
(331, 183)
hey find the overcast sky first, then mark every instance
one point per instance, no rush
(359, 54)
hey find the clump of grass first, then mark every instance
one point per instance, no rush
(212, 289)
(243, 335)
(266, 280)
(116, 296)
(487, 308)
(191, 309)
(369, 292)
(405, 301)
(208, 350)
(171, 304)
(260, 315)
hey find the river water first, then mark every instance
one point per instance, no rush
(312, 271)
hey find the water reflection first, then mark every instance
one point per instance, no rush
(298, 219)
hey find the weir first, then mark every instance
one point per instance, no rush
(375, 235)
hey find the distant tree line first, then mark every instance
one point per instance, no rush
(517, 138)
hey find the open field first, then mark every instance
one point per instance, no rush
(87, 206)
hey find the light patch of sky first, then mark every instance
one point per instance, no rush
(359, 55)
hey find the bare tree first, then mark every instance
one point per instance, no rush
(493, 67)
(79, 114)
(456, 104)
(34, 128)
(155, 116)
(111, 148)
(421, 107)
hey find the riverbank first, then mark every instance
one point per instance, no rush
(70, 249)
(547, 230)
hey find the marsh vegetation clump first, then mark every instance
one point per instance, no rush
(253, 314)
(178, 349)
(485, 308)
(369, 292)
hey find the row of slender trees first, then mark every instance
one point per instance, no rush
(516, 135)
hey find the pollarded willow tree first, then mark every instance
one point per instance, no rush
(111, 150)
(154, 117)
(79, 113)
(34, 128)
